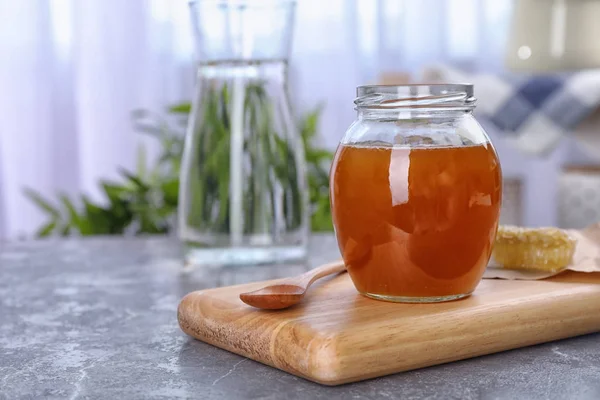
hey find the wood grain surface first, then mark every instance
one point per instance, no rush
(337, 336)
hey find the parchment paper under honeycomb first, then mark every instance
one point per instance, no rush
(585, 259)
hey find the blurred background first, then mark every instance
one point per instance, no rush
(83, 83)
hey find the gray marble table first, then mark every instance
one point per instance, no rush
(97, 319)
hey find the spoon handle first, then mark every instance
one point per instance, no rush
(307, 278)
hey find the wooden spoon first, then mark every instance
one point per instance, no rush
(289, 291)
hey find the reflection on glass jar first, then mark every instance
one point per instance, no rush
(416, 193)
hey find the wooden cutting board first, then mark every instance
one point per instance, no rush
(338, 336)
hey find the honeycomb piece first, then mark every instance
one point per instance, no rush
(540, 249)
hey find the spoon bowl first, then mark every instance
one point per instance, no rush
(289, 291)
(274, 297)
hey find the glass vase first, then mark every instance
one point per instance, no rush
(243, 192)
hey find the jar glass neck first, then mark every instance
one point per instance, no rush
(414, 101)
(410, 113)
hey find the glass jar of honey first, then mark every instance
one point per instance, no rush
(416, 188)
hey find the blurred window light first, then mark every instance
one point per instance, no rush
(524, 52)
(182, 29)
(320, 25)
(61, 19)
(321, 10)
(367, 23)
(159, 10)
(394, 12)
(174, 27)
(558, 29)
(496, 12)
(462, 33)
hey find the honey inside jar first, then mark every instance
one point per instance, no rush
(416, 223)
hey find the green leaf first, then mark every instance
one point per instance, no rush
(308, 127)
(41, 202)
(223, 197)
(113, 191)
(134, 179)
(149, 220)
(170, 190)
(66, 230)
(150, 123)
(182, 108)
(141, 161)
(47, 229)
(74, 218)
(97, 220)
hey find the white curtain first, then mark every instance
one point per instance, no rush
(73, 70)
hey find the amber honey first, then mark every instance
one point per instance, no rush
(416, 223)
